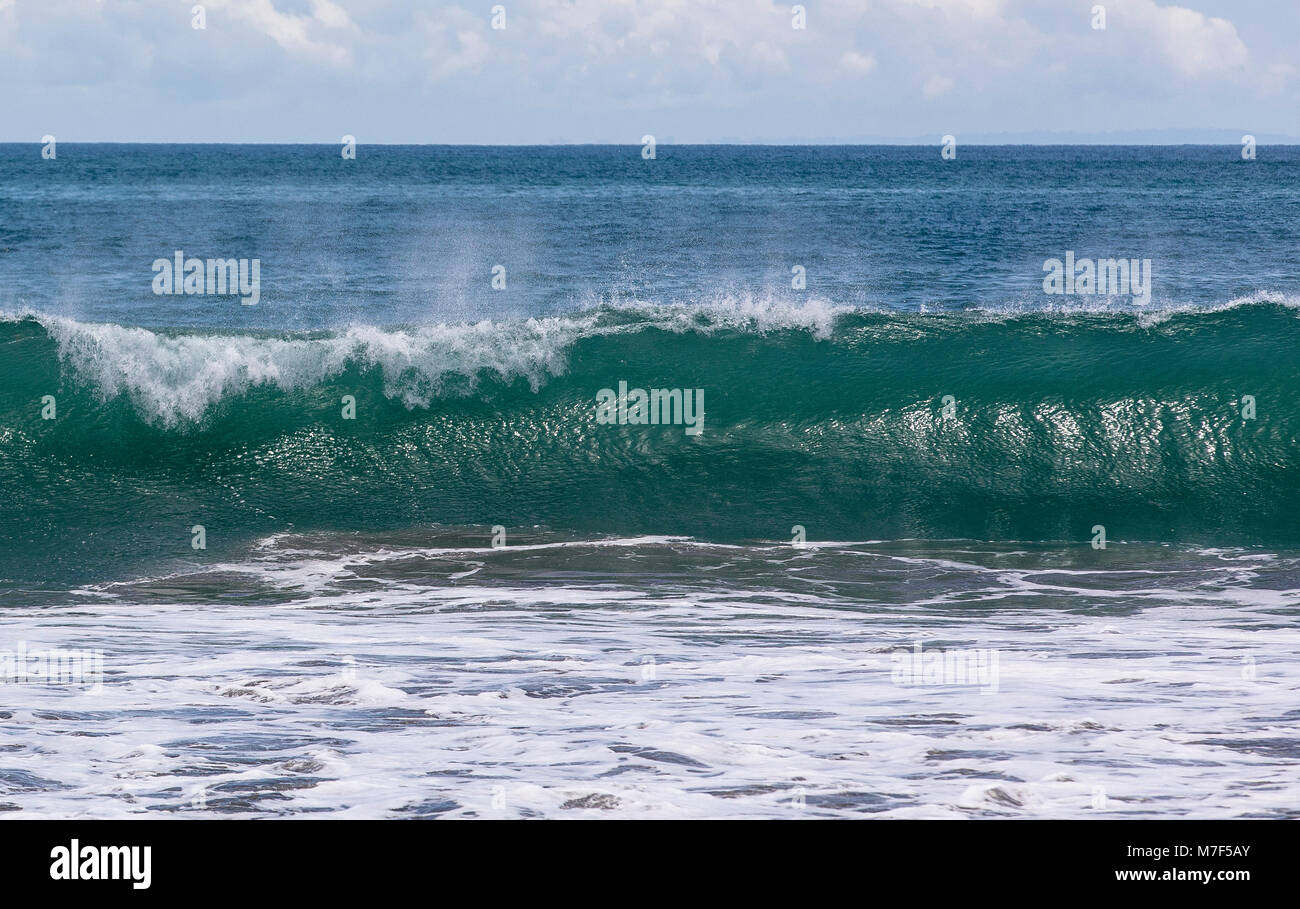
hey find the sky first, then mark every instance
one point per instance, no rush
(684, 71)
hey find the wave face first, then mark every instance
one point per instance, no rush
(829, 418)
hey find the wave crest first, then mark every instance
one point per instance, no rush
(175, 377)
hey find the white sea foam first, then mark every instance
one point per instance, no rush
(354, 676)
(1154, 313)
(172, 377)
(737, 312)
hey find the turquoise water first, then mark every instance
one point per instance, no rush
(836, 422)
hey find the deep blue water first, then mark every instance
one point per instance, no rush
(408, 234)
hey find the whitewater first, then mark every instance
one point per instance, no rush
(430, 675)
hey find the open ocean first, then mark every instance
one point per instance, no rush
(945, 545)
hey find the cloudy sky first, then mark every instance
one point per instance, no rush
(614, 70)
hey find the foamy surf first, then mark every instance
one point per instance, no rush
(670, 678)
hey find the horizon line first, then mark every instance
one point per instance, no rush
(1288, 142)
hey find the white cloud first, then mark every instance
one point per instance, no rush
(602, 70)
(467, 53)
(293, 33)
(979, 9)
(330, 15)
(1193, 43)
(852, 60)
